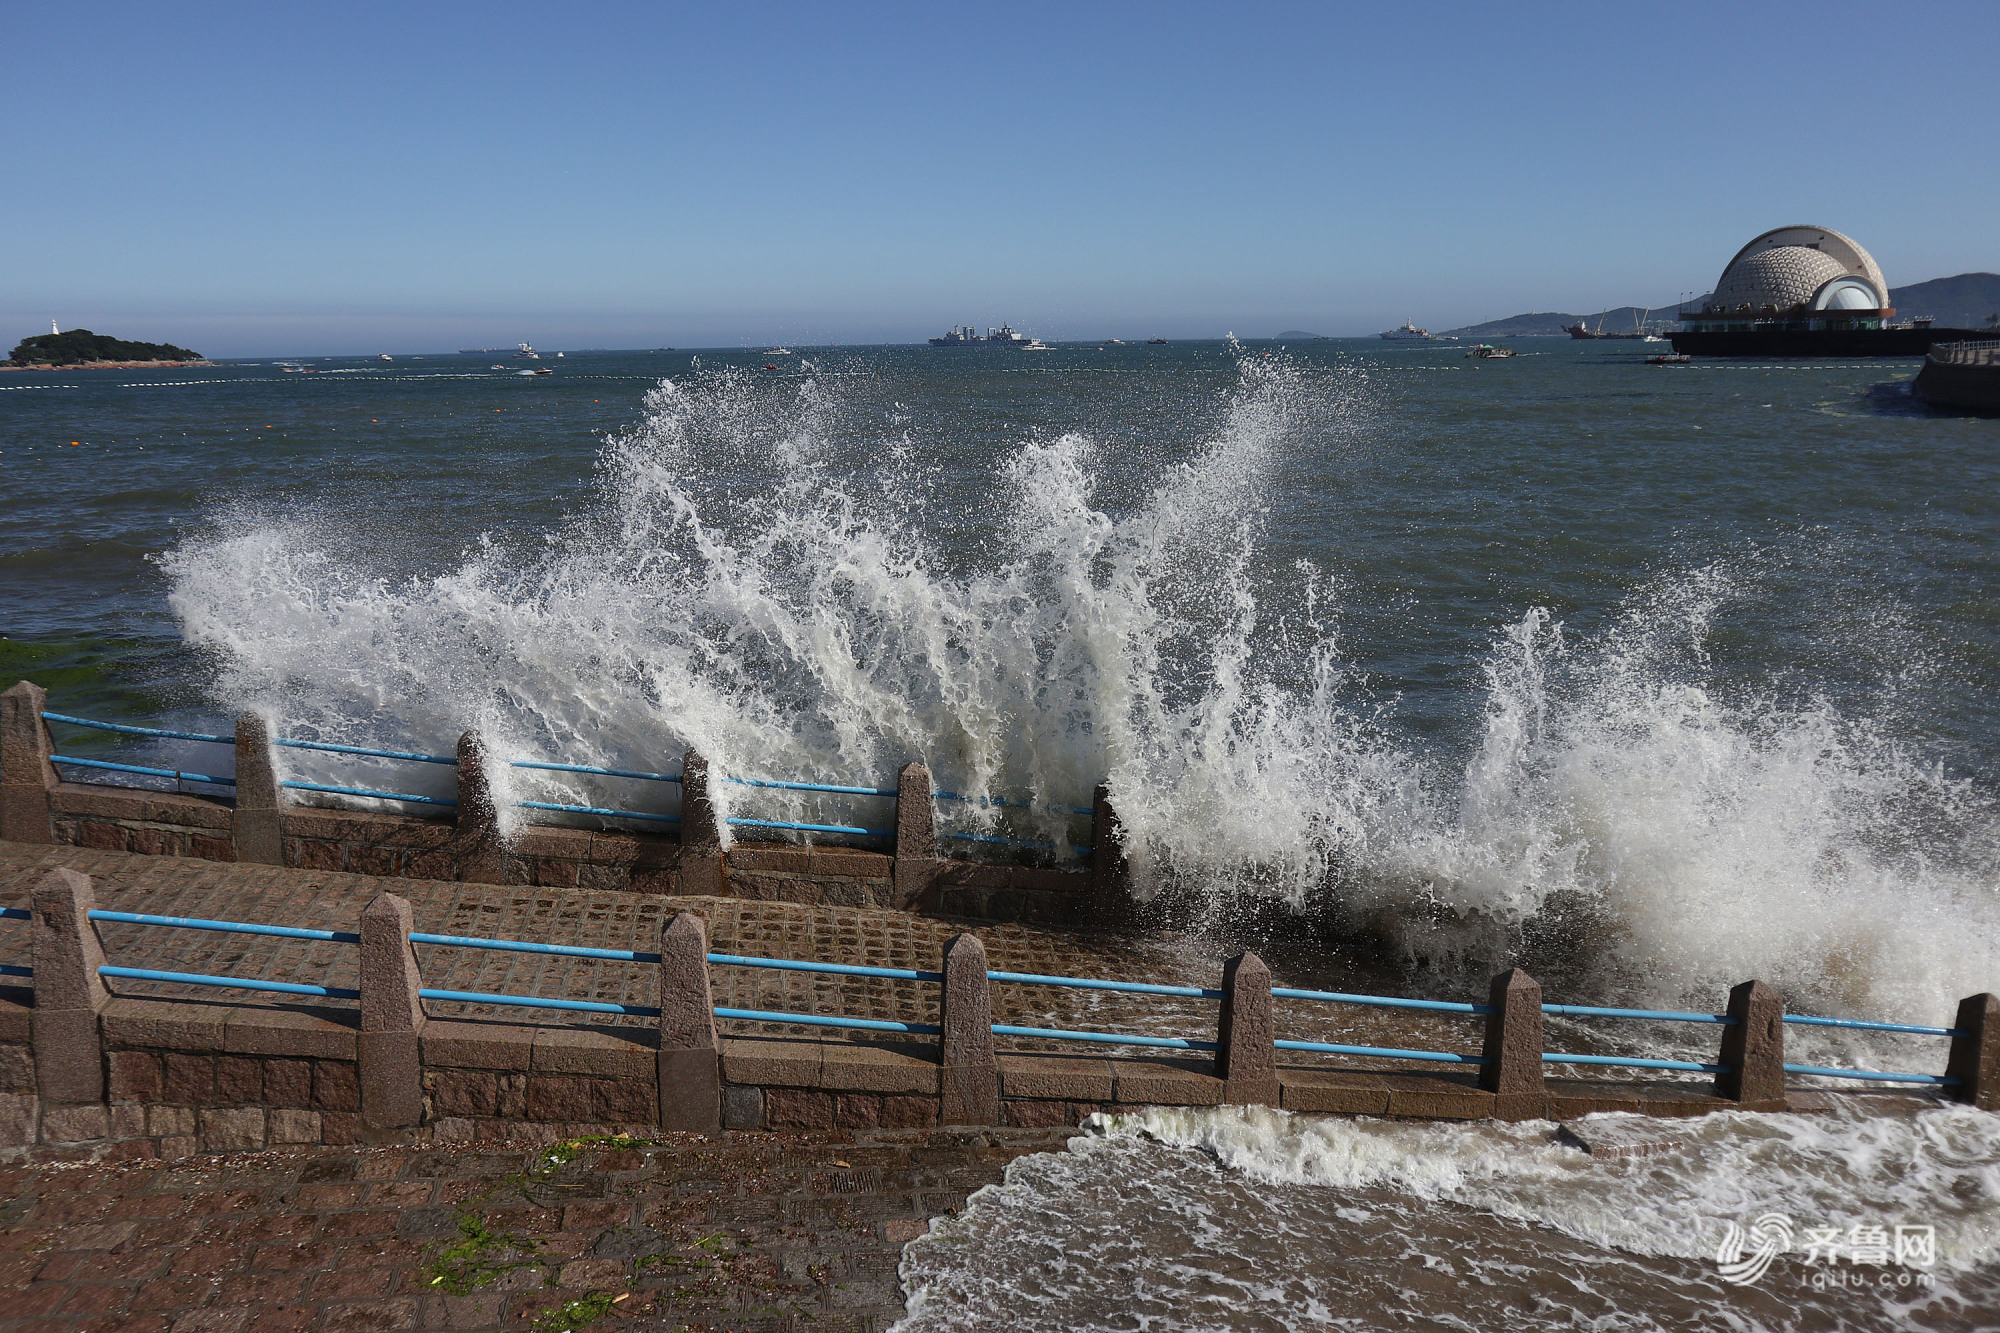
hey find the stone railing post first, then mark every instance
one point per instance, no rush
(476, 842)
(1513, 1047)
(259, 821)
(971, 1076)
(69, 993)
(1245, 1058)
(1110, 871)
(690, 1053)
(700, 868)
(1753, 1048)
(916, 867)
(1975, 1056)
(26, 775)
(392, 1017)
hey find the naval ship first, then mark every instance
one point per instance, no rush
(1408, 333)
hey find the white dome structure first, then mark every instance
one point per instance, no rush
(1795, 270)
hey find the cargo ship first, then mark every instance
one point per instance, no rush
(967, 336)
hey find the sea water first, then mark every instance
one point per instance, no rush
(1650, 678)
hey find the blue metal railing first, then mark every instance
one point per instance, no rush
(914, 974)
(598, 810)
(601, 812)
(364, 750)
(1336, 1048)
(178, 775)
(140, 731)
(369, 792)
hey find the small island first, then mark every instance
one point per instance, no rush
(80, 349)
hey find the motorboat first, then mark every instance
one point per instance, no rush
(777, 351)
(1488, 352)
(1669, 359)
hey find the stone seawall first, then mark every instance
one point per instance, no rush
(86, 1074)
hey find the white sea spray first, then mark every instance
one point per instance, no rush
(739, 584)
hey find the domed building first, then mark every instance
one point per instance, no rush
(1800, 291)
(1795, 272)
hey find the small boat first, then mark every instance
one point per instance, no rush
(1488, 352)
(1114, 342)
(496, 367)
(777, 351)
(1669, 359)
(1037, 345)
(1156, 342)
(541, 370)
(385, 357)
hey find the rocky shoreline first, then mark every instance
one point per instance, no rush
(111, 365)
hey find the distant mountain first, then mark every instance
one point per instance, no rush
(1967, 301)
(1623, 319)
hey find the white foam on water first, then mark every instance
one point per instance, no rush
(1254, 1218)
(762, 576)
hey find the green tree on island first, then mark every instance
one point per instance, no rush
(78, 346)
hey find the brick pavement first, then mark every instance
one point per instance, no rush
(751, 1232)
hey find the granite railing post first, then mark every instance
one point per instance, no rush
(699, 870)
(69, 993)
(1513, 1047)
(1245, 1057)
(690, 1052)
(1753, 1049)
(392, 1018)
(1975, 1056)
(971, 1075)
(1110, 871)
(476, 843)
(916, 864)
(259, 821)
(26, 775)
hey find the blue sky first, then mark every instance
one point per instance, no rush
(261, 179)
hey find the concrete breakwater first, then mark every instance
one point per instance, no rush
(1964, 375)
(256, 823)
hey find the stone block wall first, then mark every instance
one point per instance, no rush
(149, 823)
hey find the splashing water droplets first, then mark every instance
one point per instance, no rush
(767, 576)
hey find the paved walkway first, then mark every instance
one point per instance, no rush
(761, 1232)
(170, 886)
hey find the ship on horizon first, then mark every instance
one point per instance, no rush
(1408, 333)
(968, 336)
